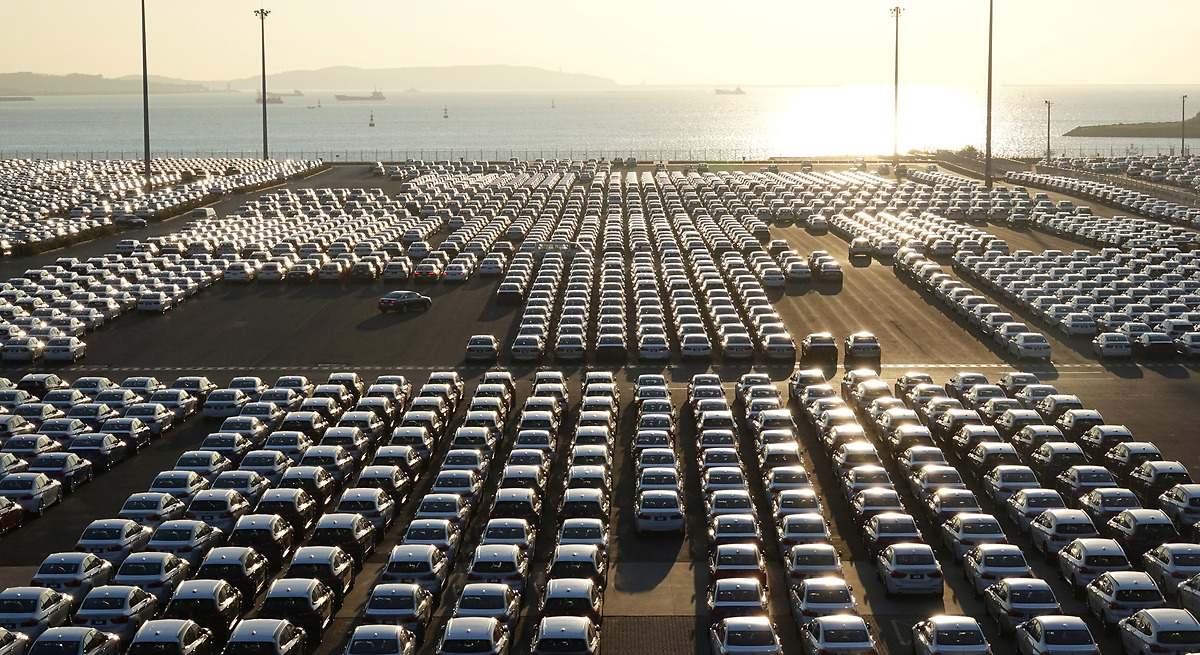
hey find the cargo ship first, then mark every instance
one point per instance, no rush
(376, 95)
(731, 92)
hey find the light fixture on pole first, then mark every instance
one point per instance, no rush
(896, 11)
(1047, 132)
(1183, 127)
(987, 164)
(262, 20)
(145, 101)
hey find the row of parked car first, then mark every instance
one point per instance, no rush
(740, 320)
(1176, 169)
(995, 325)
(1109, 511)
(1127, 301)
(56, 437)
(1119, 196)
(250, 504)
(182, 562)
(50, 199)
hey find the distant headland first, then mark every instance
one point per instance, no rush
(1162, 130)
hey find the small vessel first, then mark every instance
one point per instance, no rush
(372, 123)
(375, 96)
(412, 90)
(552, 105)
(445, 112)
(316, 106)
(296, 92)
(736, 91)
(272, 99)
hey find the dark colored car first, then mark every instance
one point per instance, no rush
(404, 301)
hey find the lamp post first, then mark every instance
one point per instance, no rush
(1183, 127)
(1047, 132)
(987, 165)
(145, 100)
(896, 11)
(262, 21)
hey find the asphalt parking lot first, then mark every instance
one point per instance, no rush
(655, 596)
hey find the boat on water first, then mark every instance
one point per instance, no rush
(272, 99)
(737, 91)
(316, 106)
(375, 95)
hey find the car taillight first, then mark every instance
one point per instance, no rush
(1015, 614)
(121, 619)
(154, 517)
(1179, 576)
(1085, 569)
(27, 497)
(1155, 648)
(935, 574)
(185, 549)
(29, 623)
(72, 583)
(1114, 606)
(114, 549)
(899, 574)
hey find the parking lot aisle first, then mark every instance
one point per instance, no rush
(473, 531)
(872, 298)
(335, 636)
(23, 550)
(776, 574)
(547, 531)
(656, 584)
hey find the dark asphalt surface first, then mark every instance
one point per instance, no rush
(655, 585)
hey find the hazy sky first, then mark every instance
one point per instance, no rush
(631, 41)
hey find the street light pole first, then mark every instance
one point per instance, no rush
(1183, 127)
(1047, 132)
(262, 21)
(145, 100)
(987, 166)
(896, 11)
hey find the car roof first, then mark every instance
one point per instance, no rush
(470, 627)
(952, 622)
(257, 629)
(161, 630)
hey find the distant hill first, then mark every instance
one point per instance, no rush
(428, 78)
(1164, 130)
(37, 84)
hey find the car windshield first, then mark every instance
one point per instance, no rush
(482, 601)
(1005, 560)
(846, 636)
(561, 645)
(467, 645)
(103, 603)
(576, 532)
(1107, 560)
(1032, 596)
(915, 559)
(250, 648)
(1138, 595)
(959, 638)
(828, 596)
(154, 648)
(180, 534)
(391, 602)
(409, 566)
(374, 646)
(1068, 637)
(48, 647)
(17, 605)
(101, 534)
(140, 568)
(58, 568)
(750, 638)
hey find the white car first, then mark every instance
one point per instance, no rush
(839, 633)
(1030, 345)
(34, 492)
(986, 564)
(659, 511)
(944, 634)
(1172, 563)
(1112, 344)
(1118, 594)
(1160, 630)
(909, 568)
(64, 349)
(1055, 635)
(821, 596)
(1082, 560)
(747, 634)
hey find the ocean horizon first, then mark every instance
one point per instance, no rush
(648, 122)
